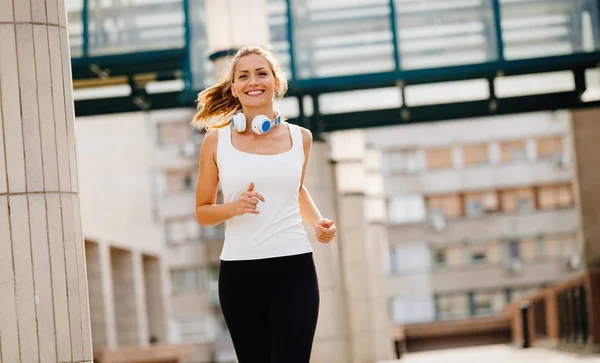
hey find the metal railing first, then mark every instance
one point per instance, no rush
(319, 39)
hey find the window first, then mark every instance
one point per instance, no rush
(180, 180)
(403, 161)
(478, 203)
(439, 158)
(522, 199)
(478, 256)
(213, 233)
(549, 147)
(186, 279)
(448, 205)
(514, 250)
(529, 250)
(412, 309)
(213, 285)
(406, 209)
(474, 208)
(439, 258)
(513, 151)
(182, 230)
(555, 196)
(452, 306)
(408, 258)
(488, 302)
(476, 154)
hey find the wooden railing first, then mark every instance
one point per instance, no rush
(564, 315)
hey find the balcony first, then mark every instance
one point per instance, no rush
(490, 226)
(499, 276)
(494, 176)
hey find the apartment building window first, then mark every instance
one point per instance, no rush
(180, 180)
(555, 197)
(521, 199)
(213, 233)
(529, 248)
(409, 258)
(476, 154)
(560, 245)
(439, 258)
(213, 284)
(550, 147)
(186, 279)
(488, 302)
(513, 251)
(439, 158)
(513, 151)
(478, 255)
(448, 205)
(174, 132)
(412, 309)
(452, 306)
(182, 231)
(407, 161)
(478, 203)
(406, 209)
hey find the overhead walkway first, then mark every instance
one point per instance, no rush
(419, 60)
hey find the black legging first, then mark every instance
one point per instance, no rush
(270, 307)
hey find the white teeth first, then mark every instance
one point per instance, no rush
(255, 92)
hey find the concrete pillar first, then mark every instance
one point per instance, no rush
(126, 315)
(44, 314)
(331, 343)
(585, 133)
(139, 287)
(363, 247)
(154, 298)
(97, 309)
(110, 320)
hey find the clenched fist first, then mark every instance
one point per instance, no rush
(325, 230)
(247, 201)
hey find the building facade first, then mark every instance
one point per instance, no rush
(479, 212)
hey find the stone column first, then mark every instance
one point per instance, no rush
(585, 133)
(363, 248)
(44, 314)
(331, 343)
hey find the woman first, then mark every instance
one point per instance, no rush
(268, 286)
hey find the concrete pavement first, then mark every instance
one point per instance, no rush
(496, 354)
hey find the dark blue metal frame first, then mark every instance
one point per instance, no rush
(169, 64)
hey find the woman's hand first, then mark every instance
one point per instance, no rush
(247, 201)
(325, 230)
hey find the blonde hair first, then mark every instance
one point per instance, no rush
(216, 104)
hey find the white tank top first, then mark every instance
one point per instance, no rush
(277, 230)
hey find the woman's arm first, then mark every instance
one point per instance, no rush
(324, 229)
(207, 212)
(308, 209)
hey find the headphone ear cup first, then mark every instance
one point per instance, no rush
(261, 124)
(238, 122)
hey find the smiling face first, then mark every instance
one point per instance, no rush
(254, 83)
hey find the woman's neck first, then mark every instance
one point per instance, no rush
(250, 113)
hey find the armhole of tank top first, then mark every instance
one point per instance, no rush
(221, 136)
(298, 140)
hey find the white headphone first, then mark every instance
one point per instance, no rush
(261, 124)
